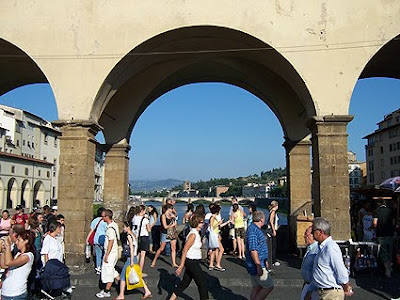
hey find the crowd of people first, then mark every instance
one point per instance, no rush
(148, 233)
(30, 245)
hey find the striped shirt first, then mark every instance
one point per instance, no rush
(255, 240)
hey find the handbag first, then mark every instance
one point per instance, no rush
(91, 237)
(119, 246)
(172, 234)
(138, 272)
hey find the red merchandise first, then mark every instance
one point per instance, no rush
(20, 219)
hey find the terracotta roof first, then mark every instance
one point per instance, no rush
(5, 154)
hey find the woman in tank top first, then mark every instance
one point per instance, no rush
(132, 243)
(217, 250)
(167, 221)
(14, 285)
(191, 258)
(237, 218)
(5, 223)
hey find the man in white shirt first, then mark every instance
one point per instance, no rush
(108, 272)
(329, 274)
(52, 247)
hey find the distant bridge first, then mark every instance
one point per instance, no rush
(191, 199)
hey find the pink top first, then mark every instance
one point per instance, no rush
(5, 224)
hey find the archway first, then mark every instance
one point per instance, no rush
(12, 193)
(39, 194)
(192, 55)
(1, 193)
(26, 194)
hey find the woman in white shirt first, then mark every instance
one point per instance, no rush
(141, 228)
(191, 258)
(14, 285)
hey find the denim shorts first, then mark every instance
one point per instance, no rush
(164, 238)
(127, 263)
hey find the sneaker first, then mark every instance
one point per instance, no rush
(103, 294)
(277, 264)
(97, 270)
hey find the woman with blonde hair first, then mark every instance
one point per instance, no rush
(273, 227)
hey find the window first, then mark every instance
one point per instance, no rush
(17, 143)
(55, 142)
(45, 158)
(382, 162)
(26, 171)
(383, 175)
(48, 174)
(29, 144)
(371, 177)
(381, 150)
(355, 180)
(33, 145)
(39, 173)
(23, 142)
(46, 139)
(54, 191)
(370, 166)
(12, 169)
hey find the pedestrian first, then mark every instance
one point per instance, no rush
(200, 210)
(186, 224)
(61, 237)
(20, 217)
(141, 226)
(309, 290)
(384, 223)
(252, 209)
(52, 248)
(368, 227)
(329, 274)
(215, 245)
(132, 245)
(168, 221)
(48, 217)
(14, 286)
(232, 233)
(273, 226)
(98, 226)
(237, 218)
(5, 223)
(153, 217)
(191, 259)
(108, 272)
(257, 258)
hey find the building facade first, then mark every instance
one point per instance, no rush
(383, 150)
(355, 171)
(256, 190)
(216, 191)
(29, 152)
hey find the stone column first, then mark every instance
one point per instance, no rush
(116, 176)
(76, 187)
(330, 172)
(298, 170)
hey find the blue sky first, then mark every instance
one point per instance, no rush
(210, 130)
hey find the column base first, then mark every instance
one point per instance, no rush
(77, 263)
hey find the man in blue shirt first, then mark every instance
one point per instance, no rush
(330, 275)
(309, 291)
(256, 258)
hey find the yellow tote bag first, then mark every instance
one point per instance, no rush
(140, 284)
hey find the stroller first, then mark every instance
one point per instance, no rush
(55, 280)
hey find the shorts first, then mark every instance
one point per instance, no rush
(108, 272)
(239, 233)
(164, 238)
(144, 243)
(232, 233)
(256, 281)
(127, 263)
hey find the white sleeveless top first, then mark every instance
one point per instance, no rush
(194, 252)
(15, 283)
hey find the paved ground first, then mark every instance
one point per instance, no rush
(235, 283)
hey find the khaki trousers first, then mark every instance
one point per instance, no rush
(331, 294)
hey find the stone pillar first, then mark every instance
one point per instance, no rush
(298, 170)
(116, 176)
(330, 172)
(76, 187)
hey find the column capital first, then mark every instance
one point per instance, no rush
(329, 119)
(92, 126)
(289, 144)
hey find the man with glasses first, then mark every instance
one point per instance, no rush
(329, 273)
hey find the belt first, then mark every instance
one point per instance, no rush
(327, 289)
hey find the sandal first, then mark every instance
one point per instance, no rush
(146, 297)
(211, 268)
(219, 269)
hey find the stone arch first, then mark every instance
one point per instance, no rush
(18, 68)
(39, 194)
(26, 191)
(201, 54)
(12, 193)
